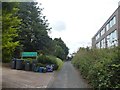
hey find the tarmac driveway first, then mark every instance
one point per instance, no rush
(68, 77)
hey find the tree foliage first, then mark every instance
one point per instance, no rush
(33, 33)
(10, 23)
(61, 50)
(25, 28)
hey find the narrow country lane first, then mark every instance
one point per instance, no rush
(68, 77)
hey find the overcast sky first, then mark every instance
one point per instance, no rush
(77, 21)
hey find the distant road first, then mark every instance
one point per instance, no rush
(68, 77)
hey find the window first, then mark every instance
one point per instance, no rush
(97, 36)
(107, 27)
(103, 43)
(102, 31)
(114, 20)
(98, 45)
(111, 23)
(108, 41)
(112, 39)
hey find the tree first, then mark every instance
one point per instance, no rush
(61, 50)
(10, 23)
(33, 33)
(34, 27)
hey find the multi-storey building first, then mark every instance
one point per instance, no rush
(109, 34)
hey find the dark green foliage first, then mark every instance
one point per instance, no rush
(29, 59)
(40, 65)
(60, 50)
(33, 34)
(46, 60)
(100, 67)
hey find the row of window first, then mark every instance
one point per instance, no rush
(108, 26)
(109, 41)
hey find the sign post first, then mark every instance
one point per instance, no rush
(29, 54)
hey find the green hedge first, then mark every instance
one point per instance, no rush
(100, 66)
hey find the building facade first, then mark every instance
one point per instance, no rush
(109, 34)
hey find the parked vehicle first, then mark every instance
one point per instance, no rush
(49, 68)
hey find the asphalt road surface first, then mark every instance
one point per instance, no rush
(68, 77)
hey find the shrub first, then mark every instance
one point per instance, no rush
(40, 65)
(46, 60)
(49, 59)
(29, 59)
(99, 66)
(59, 63)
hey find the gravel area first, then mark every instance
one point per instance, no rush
(12, 78)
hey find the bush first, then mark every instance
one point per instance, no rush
(56, 61)
(40, 65)
(29, 59)
(43, 59)
(59, 63)
(99, 66)
(46, 59)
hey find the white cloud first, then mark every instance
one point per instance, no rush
(59, 25)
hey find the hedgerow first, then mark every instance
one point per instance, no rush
(101, 67)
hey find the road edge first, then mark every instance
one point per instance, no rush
(52, 79)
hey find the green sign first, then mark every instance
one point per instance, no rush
(29, 54)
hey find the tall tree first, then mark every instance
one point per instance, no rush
(34, 28)
(10, 23)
